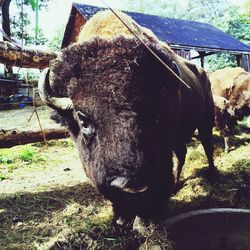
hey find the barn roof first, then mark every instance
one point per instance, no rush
(177, 33)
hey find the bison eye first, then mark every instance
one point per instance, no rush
(85, 124)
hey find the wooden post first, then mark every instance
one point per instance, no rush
(202, 56)
(238, 60)
(243, 61)
(8, 72)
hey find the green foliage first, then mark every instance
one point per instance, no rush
(239, 29)
(33, 157)
(220, 61)
(5, 160)
(56, 41)
(33, 4)
(3, 177)
(27, 154)
(23, 29)
(205, 10)
(236, 24)
(169, 8)
(21, 157)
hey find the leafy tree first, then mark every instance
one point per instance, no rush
(21, 26)
(170, 8)
(209, 11)
(56, 41)
(237, 25)
(220, 61)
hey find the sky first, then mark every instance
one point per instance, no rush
(59, 11)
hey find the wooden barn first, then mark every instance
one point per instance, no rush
(183, 36)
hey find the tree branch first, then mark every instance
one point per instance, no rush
(10, 138)
(24, 58)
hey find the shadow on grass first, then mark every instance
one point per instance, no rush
(44, 221)
(26, 217)
(29, 206)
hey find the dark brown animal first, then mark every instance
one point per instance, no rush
(127, 114)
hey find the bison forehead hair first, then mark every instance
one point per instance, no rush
(114, 62)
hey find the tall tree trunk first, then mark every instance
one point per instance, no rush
(8, 72)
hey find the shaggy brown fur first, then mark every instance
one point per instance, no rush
(138, 115)
(234, 85)
(106, 25)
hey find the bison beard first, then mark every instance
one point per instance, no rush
(129, 116)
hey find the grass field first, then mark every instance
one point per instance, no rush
(47, 203)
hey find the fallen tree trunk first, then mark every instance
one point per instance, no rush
(10, 138)
(25, 58)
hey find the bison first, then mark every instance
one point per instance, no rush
(234, 85)
(225, 119)
(126, 113)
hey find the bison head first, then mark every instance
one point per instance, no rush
(121, 108)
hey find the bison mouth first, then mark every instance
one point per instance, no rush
(127, 185)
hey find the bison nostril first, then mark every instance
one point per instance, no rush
(119, 182)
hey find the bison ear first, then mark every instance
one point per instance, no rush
(176, 68)
(164, 64)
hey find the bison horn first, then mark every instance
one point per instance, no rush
(46, 94)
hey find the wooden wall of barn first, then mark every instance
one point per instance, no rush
(246, 62)
(183, 53)
(243, 61)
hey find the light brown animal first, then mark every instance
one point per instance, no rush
(234, 85)
(225, 119)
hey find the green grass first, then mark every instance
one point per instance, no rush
(229, 187)
(27, 155)
(19, 157)
(32, 157)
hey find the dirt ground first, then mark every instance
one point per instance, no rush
(18, 118)
(47, 203)
(67, 172)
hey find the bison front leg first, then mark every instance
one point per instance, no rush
(120, 219)
(180, 152)
(206, 138)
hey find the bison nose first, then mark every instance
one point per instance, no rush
(126, 185)
(119, 182)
